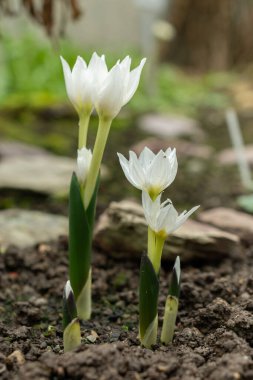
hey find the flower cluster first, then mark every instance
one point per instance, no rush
(93, 85)
(89, 86)
(153, 173)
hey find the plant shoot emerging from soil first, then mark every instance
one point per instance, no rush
(90, 87)
(71, 326)
(171, 304)
(152, 174)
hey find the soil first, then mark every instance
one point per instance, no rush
(213, 338)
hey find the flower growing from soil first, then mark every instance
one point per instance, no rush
(91, 86)
(150, 172)
(71, 325)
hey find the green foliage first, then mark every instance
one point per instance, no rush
(31, 75)
(148, 294)
(31, 72)
(180, 92)
(80, 236)
(246, 203)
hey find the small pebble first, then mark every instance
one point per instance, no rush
(16, 356)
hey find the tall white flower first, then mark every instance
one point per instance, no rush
(115, 88)
(163, 218)
(80, 81)
(150, 172)
(84, 157)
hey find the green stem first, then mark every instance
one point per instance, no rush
(159, 250)
(99, 147)
(83, 130)
(155, 249)
(151, 244)
(83, 301)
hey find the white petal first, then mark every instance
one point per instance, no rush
(133, 82)
(159, 170)
(169, 223)
(110, 98)
(98, 68)
(78, 80)
(68, 78)
(148, 210)
(151, 210)
(125, 167)
(184, 216)
(146, 157)
(126, 63)
(137, 176)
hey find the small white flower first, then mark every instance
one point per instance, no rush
(116, 87)
(163, 217)
(84, 157)
(80, 81)
(150, 172)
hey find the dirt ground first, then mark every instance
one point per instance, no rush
(213, 339)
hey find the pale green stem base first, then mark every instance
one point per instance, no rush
(155, 249)
(169, 322)
(83, 301)
(72, 335)
(99, 147)
(83, 130)
(150, 336)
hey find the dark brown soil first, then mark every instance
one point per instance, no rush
(213, 340)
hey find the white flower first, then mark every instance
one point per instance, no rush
(84, 157)
(150, 172)
(163, 217)
(80, 81)
(115, 88)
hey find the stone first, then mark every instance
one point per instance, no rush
(229, 219)
(163, 125)
(121, 231)
(26, 228)
(44, 174)
(9, 149)
(185, 149)
(16, 357)
(229, 157)
(24, 167)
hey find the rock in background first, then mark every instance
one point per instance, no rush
(26, 228)
(121, 231)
